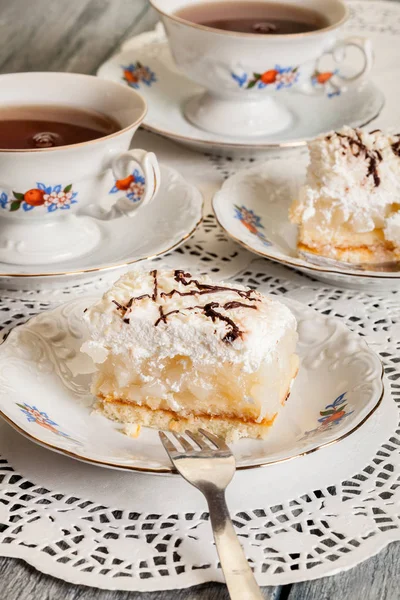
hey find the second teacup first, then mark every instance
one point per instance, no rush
(245, 74)
(52, 196)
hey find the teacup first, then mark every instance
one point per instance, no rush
(245, 74)
(51, 199)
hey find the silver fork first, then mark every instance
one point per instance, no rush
(210, 466)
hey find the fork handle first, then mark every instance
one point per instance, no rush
(238, 574)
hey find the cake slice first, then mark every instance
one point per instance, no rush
(349, 207)
(177, 352)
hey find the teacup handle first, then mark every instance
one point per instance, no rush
(143, 190)
(335, 82)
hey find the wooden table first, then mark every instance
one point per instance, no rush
(78, 35)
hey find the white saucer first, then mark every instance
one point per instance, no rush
(45, 381)
(167, 222)
(252, 207)
(151, 71)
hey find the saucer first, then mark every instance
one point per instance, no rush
(158, 228)
(45, 383)
(263, 195)
(150, 70)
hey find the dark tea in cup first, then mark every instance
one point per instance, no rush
(35, 127)
(254, 17)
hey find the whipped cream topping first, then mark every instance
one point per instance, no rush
(163, 314)
(353, 178)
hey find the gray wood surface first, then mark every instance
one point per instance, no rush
(78, 35)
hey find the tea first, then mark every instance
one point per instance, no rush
(254, 17)
(27, 127)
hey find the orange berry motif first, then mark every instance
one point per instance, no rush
(324, 77)
(269, 76)
(279, 77)
(130, 77)
(34, 197)
(334, 413)
(123, 184)
(251, 221)
(136, 74)
(250, 227)
(337, 416)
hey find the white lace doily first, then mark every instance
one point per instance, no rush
(311, 517)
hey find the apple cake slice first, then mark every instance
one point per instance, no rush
(176, 352)
(349, 207)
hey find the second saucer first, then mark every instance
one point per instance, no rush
(151, 71)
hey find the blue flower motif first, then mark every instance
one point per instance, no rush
(3, 200)
(248, 215)
(44, 188)
(133, 186)
(33, 413)
(135, 73)
(241, 79)
(277, 78)
(339, 400)
(138, 177)
(41, 196)
(325, 82)
(252, 222)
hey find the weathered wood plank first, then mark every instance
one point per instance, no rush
(375, 579)
(77, 35)
(19, 581)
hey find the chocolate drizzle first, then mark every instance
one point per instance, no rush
(234, 331)
(155, 290)
(235, 304)
(129, 304)
(373, 156)
(396, 148)
(208, 310)
(163, 316)
(203, 288)
(120, 306)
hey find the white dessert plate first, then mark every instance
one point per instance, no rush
(151, 71)
(252, 207)
(163, 225)
(45, 380)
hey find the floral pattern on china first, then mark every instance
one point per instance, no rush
(333, 414)
(285, 77)
(41, 418)
(278, 77)
(133, 185)
(324, 79)
(252, 222)
(51, 197)
(135, 73)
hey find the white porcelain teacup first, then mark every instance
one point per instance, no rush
(245, 74)
(51, 198)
